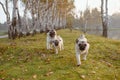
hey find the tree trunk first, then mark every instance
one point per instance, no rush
(104, 24)
(19, 25)
(5, 9)
(25, 24)
(104, 17)
(13, 28)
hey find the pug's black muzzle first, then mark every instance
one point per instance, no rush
(56, 42)
(82, 46)
(52, 34)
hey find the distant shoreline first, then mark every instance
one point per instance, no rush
(4, 36)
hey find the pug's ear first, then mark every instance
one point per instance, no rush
(77, 40)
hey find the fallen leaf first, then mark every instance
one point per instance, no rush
(13, 78)
(8, 59)
(49, 73)
(48, 59)
(98, 78)
(96, 68)
(39, 67)
(82, 76)
(109, 64)
(35, 76)
(18, 79)
(93, 72)
(26, 70)
(2, 78)
(43, 55)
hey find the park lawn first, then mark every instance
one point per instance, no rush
(28, 59)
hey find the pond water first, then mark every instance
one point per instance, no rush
(112, 34)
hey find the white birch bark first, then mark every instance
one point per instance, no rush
(5, 9)
(13, 30)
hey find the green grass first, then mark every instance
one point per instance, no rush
(28, 59)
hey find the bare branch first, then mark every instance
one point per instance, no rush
(3, 8)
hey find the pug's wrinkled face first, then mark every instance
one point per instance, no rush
(52, 33)
(81, 44)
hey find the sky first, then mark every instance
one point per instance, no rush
(80, 5)
(113, 5)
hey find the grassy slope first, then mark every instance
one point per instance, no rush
(28, 59)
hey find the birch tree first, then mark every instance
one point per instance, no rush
(13, 28)
(19, 24)
(104, 16)
(46, 14)
(5, 9)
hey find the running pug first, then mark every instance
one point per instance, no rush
(54, 41)
(81, 48)
(51, 36)
(58, 44)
